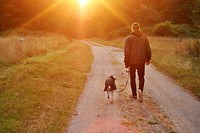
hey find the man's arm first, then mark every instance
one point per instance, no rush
(148, 52)
(127, 52)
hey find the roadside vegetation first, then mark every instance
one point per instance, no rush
(41, 79)
(163, 29)
(15, 47)
(178, 58)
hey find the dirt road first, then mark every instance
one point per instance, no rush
(166, 107)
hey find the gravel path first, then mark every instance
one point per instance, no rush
(166, 107)
(182, 108)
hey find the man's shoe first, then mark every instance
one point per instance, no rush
(140, 96)
(133, 96)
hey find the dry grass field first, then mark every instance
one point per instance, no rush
(15, 48)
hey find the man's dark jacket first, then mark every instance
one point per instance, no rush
(137, 49)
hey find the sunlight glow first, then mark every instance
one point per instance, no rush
(83, 2)
(119, 15)
(41, 14)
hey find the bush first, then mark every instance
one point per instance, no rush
(188, 48)
(183, 30)
(173, 30)
(163, 29)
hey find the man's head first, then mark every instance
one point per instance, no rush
(135, 27)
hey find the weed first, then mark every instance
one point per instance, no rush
(153, 122)
(141, 119)
(115, 62)
(165, 116)
(188, 48)
(128, 123)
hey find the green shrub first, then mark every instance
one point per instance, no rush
(173, 30)
(183, 30)
(163, 29)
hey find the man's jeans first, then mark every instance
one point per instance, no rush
(140, 71)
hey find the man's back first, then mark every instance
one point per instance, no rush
(137, 48)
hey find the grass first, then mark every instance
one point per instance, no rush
(40, 93)
(185, 70)
(153, 122)
(128, 123)
(15, 48)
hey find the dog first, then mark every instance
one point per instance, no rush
(110, 87)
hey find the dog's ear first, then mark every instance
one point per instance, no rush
(113, 77)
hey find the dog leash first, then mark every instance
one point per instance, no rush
(125, 83)
(128, 71)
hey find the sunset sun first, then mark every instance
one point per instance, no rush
(83, 2)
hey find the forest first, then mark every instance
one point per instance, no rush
(99, 17)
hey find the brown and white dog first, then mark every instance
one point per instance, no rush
(110, 87)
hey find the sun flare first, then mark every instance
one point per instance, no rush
(83, 2)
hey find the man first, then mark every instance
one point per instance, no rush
(137, 53)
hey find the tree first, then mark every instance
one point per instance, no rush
(180, 11)
(99, 18)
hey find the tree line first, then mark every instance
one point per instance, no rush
(98, 18)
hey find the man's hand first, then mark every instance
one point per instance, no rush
(128, 69)
(147, 63)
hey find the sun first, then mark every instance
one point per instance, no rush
(83, 2)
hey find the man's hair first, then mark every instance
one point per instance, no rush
(135, 26)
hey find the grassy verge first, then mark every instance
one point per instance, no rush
(39, 94)
(15, 48)
(184, 69)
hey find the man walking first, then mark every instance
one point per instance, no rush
(137, 53)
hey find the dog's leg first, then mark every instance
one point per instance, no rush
(108, 94)
(111, 96)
